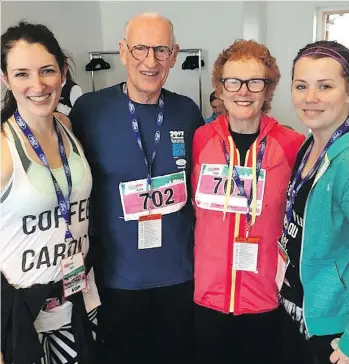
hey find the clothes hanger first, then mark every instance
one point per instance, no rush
(97, 64)
(191, 63)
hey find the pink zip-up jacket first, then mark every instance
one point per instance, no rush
(217, 285)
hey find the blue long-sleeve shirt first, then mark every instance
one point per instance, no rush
(102, 123)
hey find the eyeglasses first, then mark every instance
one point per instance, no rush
(140, 52)
(253, 85)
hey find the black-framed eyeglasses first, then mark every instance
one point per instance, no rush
(140, 52)
(253, 84)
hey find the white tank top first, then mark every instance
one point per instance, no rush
(32, 229)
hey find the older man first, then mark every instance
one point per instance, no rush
(138, 139)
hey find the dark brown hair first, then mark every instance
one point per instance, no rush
(326, 48)
(31, 33)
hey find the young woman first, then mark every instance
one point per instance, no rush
(315, 241)
(49, 297)
(242, 164)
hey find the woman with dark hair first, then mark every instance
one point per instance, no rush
(315, 240)
(48, 294)
(242, 162)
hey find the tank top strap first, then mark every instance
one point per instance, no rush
(16, 146)
(72, 138)
(20, 160)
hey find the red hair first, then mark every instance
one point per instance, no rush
(245, 50)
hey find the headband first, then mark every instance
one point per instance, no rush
(329, 53)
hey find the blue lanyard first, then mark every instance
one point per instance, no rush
(63, 203)
(157, 135)
(236, 176)
(292, 190)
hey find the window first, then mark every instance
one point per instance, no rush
(333, 24)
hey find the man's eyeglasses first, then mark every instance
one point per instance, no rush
(140, 52)
(253, 85)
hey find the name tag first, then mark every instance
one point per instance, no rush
(74, 276)
(245, 254)
(149, 232)
(283, 262)
(168, 194)
(212, 188)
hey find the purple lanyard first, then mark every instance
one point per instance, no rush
(292, 190)
(236, 176)
(135, 127)
(63, 203)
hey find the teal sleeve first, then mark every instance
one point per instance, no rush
(344, 341)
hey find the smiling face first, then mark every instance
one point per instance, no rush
(34, 77)
(145, 78)
(320, 93)
(243, 105)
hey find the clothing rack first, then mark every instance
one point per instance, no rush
(189, 51)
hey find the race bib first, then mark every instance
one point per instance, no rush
(168, 194)
(213, 183)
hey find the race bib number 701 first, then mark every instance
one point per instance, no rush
(213, 184)
(168, 194)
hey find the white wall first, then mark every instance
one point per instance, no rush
(83, 26)
(289, 28)
(211, 26)
(76, 25)
(255, 17)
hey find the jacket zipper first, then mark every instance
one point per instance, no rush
(307, 336)
(232, 306)
(322, 170)
(233, 273)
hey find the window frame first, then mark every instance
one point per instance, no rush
(320, 19)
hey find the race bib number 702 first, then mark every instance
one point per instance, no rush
(168, 194)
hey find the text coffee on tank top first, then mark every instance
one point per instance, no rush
(33, 231)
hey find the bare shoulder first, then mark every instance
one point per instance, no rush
(63, 119)
(6, 161)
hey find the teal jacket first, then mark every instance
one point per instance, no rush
(324, 263)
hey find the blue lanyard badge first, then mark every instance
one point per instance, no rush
(157, 135)
(236, 176)
(292, 190)
(63, 203)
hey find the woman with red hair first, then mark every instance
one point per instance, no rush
(242, 163)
